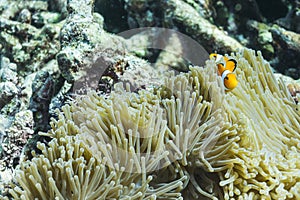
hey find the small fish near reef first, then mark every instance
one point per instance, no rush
(226, 67)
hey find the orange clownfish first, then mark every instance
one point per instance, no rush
(226, 67)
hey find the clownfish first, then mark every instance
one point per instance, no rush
(226, 67)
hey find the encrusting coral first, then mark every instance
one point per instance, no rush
(186, 139)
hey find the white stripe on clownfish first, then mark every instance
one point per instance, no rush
(226, 67)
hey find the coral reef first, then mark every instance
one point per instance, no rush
(27, 45)
(42, 93)
(148, 131)
(8, 81)
(29, 42)
(14, 137)
(225, 26)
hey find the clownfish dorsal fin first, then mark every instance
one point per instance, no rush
(221, 69)
(231, 65)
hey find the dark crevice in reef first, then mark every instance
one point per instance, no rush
(115, 16)
(272, 9)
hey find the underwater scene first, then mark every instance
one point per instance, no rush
(150, 99)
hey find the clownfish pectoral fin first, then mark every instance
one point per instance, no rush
(221, 69)
(231, 65)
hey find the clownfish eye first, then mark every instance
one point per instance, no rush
(226, 78)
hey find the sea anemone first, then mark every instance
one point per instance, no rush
(184, 139)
